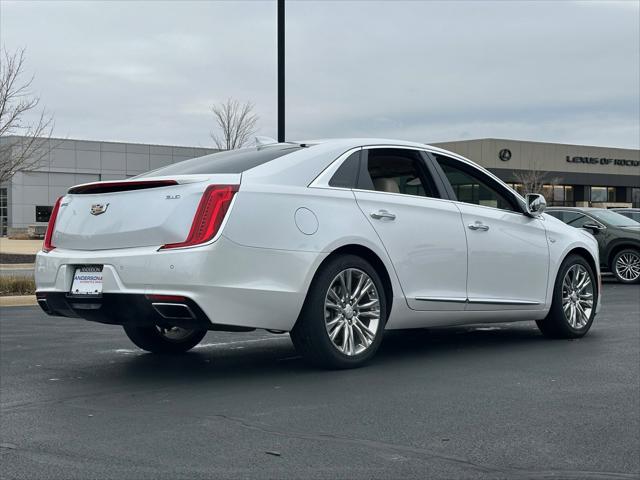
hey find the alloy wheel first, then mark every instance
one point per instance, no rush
(628, 266)
(352, 311)
(577, 296)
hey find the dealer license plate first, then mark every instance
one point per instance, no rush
(87, 281)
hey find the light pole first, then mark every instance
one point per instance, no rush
(280, 70)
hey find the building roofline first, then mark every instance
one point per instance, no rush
(63, 139)
(531, 141)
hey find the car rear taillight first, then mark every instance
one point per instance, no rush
(47, 246)
(211, 211)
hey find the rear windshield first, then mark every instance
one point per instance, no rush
(231, 161)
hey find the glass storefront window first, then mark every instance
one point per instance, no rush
(3, 211)
(599, 194)
(635, 197)
(603, 194)
(558, 193)
(568, 193)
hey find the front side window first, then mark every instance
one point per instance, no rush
(471, 186)
(397, 171)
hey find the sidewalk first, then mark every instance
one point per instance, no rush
(23, 247)
(18, 301)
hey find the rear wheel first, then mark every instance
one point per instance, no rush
(626, 266)
(574, 301)
(342, 321)
(160, 339)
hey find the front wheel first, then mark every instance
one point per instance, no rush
(574, 301)
(342, 320)
(626, 266)
(160, 339)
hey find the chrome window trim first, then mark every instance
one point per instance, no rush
(323, 179)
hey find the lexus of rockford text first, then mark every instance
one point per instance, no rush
(333, 241)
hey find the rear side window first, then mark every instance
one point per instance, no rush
(231, 161)
(396, 171)
(347, 174)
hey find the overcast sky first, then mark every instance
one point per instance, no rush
(419, 70)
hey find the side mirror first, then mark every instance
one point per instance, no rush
(536, 204)
(592, 227)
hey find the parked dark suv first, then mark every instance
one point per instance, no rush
(632, 213)
(618, 238)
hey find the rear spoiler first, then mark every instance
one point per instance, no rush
(111, 187)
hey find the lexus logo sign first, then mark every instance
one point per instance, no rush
(505, 155)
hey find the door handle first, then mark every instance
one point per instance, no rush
(383, 214)
(479, 226)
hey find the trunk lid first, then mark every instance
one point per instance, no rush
(132, 213)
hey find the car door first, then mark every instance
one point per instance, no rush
(508, 253)
(422, 233)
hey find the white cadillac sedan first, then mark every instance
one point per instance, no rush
(332, 241)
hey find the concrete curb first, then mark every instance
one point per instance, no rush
(18, 301)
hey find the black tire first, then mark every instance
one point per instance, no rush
(310, 335)
(556, 324)
(628, 254)
(152, 339)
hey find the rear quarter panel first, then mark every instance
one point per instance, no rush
(264, 216)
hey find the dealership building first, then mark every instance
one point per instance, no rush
(573, 175)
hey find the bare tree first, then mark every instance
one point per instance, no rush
(236, 124)
(23, 143)
(534, 181)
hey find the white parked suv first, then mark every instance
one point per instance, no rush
(332, 241)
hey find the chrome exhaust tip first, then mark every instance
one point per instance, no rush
(174, 311)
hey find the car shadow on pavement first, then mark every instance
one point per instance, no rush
(276, 356)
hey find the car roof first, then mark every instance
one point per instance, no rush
(373, 141)
(302, 166)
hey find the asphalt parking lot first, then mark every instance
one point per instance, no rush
(79, 401)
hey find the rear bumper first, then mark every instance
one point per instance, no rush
(122, 309)
(226, 283)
